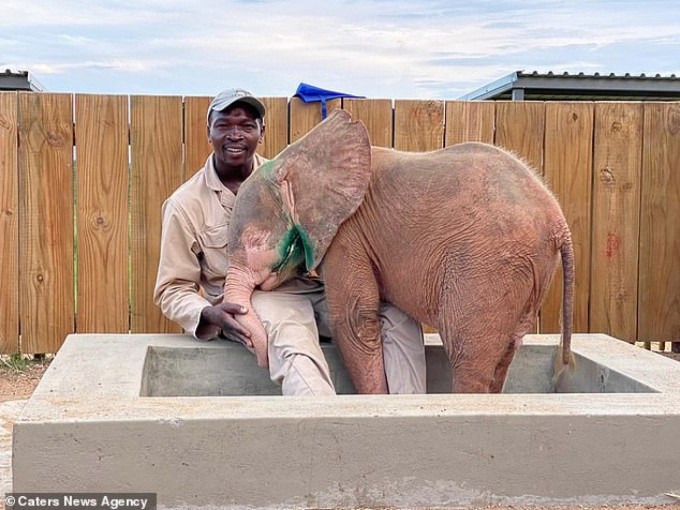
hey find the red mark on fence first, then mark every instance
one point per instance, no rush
(613, 245)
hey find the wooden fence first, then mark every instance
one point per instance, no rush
(80, 241)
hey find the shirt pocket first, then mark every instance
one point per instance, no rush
(213, 243)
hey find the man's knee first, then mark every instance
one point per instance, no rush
(275, 309)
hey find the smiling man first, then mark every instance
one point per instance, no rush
(193, 264)
(235, 128)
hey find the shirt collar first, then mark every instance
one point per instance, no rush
(212, 179)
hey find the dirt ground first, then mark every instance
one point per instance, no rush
(19, 385)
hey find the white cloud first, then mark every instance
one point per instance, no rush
(125, 66)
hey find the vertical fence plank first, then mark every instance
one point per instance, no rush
(156, 139)
(520, 128)
(568, 173)
(46, 289)
(196, 145)
(376, 114)
(659, 285)
(469, 121)
(418, 125)
(102, 183)
(616, 217)
(276, 126)
(304, 116)
(9, 226)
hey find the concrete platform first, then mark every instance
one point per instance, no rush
(165, 414)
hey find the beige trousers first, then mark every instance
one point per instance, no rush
(296, 313)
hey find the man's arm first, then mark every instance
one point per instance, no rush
(179, 272)
(178, 282)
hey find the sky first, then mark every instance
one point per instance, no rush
(398, 49)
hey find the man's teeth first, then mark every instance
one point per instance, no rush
(234, 150)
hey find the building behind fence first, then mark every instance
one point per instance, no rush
(83, 177)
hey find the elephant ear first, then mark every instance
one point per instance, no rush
(323, 179)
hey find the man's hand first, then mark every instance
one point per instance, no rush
(222, 315)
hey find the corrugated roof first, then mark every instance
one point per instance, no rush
(579, 87)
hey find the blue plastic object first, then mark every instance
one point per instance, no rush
(310, 93)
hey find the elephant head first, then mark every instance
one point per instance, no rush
(288, 211)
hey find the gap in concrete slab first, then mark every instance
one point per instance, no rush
(203, 371)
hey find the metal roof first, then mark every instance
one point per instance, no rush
(519, 86)
(21, 80)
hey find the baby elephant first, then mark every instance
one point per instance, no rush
(465, 239)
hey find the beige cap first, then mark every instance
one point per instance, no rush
(228, 97)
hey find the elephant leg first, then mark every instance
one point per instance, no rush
(501, 372)
(526, 324)
(481, 338)
(353, 301)
(479, 360)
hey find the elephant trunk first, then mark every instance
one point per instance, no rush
(239, 289)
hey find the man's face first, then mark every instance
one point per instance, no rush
(234, 134)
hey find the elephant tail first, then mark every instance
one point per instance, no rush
(564, 358)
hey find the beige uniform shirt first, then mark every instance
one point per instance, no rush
(194, 249)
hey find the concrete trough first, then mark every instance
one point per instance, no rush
(202, 426)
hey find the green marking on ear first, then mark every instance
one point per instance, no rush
(294, 248)
(291, 252)
(307, 247)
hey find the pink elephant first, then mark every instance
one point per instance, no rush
(465, 239)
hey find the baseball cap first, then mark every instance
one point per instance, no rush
(228, 97)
